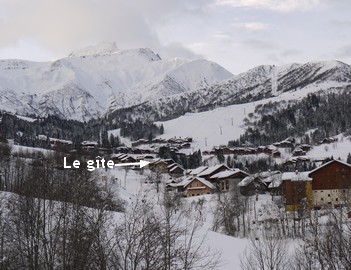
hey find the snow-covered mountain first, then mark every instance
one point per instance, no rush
(103, 79)
(259, 83)
(98, 79)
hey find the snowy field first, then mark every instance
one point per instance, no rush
(131, 184)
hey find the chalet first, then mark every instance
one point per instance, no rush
(87, 145)
(128, 159)
(55, 143)
(256, 183)
(306, 147)
(298, 152)
(287, 143)
(212, 170)
(331, 184)
(328, 140)
(186, 145)
(176, 171)
(169, 161)
(226, 180)
(198, 170)
(139, 142)
(159, 166)
(297, 190)
(198, 186)
(117, 157)
(251, 185)
(175, 186)
(276, 154)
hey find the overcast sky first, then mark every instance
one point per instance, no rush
(237, 34)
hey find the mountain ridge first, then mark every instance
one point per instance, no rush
(99, 82)
(104, 81)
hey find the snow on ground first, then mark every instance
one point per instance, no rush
(24, 149)
(218, 126)
(341, 149)
(131, 184)
(25, 118)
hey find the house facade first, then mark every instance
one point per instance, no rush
(198, 186)
(297, 190)
(227, 180)
(331, 184)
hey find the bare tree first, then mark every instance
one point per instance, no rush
(230, 213)
(163, 238)
(327, 244)
(269, 253)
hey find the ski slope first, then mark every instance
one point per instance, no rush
(218, 126)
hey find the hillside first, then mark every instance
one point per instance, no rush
(259, 83)
(94, 80)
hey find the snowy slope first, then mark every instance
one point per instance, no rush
(216, 127)
(259, 83)
(94, 80)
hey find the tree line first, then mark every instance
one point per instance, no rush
(324, 115)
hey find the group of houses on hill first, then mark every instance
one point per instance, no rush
(179, 142)
(326, 186)
(207, 180)
(271, 150)
(329, 185)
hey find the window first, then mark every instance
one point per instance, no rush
(322, 199)
(328, 195)
(336, 199)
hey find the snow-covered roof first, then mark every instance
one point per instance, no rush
(211, 169)
(246, 181)
(272, 178)
(296, 176)
(202, 180)
(89, 143)
(174, 168)
(117, 155)
(226, 174)
(334, 160)
(266, 174)
(44, 138)
(172, 165)
(198, 170)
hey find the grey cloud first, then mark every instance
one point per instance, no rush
(341, 23)
(65, 25)
(259, 44)
(290, 52)
(344, 52)
(176, 49)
